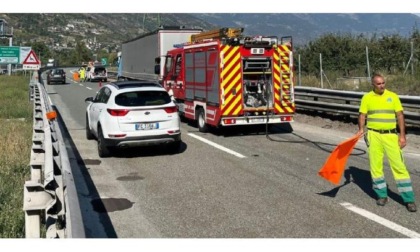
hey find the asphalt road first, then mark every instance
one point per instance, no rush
(237, 183)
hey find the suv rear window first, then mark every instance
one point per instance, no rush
(143, 98)
(57, 71)
(99, 69)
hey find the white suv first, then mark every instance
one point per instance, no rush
(98, 73)
(132, 113)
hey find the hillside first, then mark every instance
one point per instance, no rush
(97, 30)
(308, 26)
(109, 30)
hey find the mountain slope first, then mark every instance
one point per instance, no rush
(109, 30)
(305, 27)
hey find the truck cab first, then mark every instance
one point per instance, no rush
(173, 75)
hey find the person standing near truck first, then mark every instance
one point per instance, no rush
(383, 111)
(82, 74)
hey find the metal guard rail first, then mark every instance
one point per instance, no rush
(347, 102)
(50, 196)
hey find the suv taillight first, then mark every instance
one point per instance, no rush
(118, 112)
(170, 110)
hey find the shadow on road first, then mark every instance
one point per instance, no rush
(96, 223)
(363, 180)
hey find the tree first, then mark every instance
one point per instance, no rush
(41, 50)
(392, 51)
(80, 54)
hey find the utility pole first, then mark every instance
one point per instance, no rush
(299, 80)
(367, 62)
(4, 34)
(411, 57)
(9, 67)
(321, 71)
(412, 53)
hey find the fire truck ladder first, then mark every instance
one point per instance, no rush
(217, 34)
(286, 72)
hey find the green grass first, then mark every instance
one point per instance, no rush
(15, 149)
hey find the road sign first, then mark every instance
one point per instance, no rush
(24, 51)
(9, 54)
(31, 67)
(104, 61)
(31, 62)
(31, 59)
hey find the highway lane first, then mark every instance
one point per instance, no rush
(204, 191)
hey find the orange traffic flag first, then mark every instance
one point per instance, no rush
(51, 115)
(333, 168)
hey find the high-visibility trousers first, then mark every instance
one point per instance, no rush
(380, 144)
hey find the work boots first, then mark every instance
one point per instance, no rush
(382, 201)
(411, 207)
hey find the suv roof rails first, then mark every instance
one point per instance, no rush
(131, 84)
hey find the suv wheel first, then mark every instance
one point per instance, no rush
(89, 135)
(103, 150)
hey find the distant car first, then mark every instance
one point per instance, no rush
(97, 73)
(130, 114)
(56, 75)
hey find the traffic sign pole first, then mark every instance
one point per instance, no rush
(9, 67)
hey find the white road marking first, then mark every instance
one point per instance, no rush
(389, 224)
(217, 146)
(89, 88)
(412, 154)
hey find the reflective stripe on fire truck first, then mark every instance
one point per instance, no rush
(231, 80)
(283, 100)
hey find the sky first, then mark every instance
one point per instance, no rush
(212, 6)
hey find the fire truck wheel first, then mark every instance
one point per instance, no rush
(202, 126)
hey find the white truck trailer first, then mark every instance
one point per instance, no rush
(140, 55)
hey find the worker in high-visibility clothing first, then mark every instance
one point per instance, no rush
(383, 111)
(82, 73)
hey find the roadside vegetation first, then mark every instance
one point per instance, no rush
(345, 62)
(15, 149)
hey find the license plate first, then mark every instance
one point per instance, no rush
(259, 120)
(147, 126)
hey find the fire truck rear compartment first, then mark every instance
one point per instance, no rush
(257, 83)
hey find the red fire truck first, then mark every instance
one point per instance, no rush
(223, 78)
